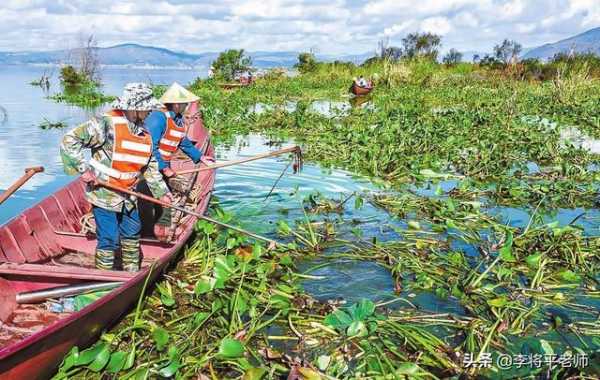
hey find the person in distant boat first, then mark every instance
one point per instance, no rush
(362, 82)
(121, 153)
(168, 131)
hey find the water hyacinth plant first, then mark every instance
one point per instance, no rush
(491, 236)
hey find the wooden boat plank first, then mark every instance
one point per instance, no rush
(77, 194)
(55, 216)
(67, 272)
(43, 231)
(84, 244)
(2, 255)
(69, 209)
(10, 247)
(30, 246)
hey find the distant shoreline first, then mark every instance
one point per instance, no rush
(133, 67)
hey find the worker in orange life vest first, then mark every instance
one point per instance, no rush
(168, 131)
(121, 153)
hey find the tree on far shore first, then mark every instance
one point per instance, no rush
(230, 63)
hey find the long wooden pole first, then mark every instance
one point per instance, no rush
(241, 160)
(29, 172)
(272, 243)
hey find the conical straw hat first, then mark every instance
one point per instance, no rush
(177, 94)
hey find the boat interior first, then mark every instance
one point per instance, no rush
(48, 247)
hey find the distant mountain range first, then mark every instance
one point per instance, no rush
(134, 55)
(582, 43)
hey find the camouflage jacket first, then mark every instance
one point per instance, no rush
(98, 135)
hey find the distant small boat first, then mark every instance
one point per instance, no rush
(230, 86)
(241, 82)
(45, 248)
(360, 91)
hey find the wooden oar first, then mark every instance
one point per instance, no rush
(294, 149)
(29, 172)
(272, 243)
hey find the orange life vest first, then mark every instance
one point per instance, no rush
(130, 154)
(170, 140)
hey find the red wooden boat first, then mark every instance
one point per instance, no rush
(44, 248)
(360, 91)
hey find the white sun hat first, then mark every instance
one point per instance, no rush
(136, 97)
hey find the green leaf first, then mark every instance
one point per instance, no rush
(101, 359)
(70, 360)
(231, 348)
(357, 329)
(533, 261)
(363, 309)
(358, 202)
(283, 228)
(546, 348)
(161, 338)
(167, 300)
(498, 302)
(309, 374)
(257, 251)
(408, 369)
(254, 374)
(85, 357)
(170, 370)
(506, 251)
(204, 285)
(286, 260)
(130, 359)
(414, 225)
(338, 319)
(231, 242)
(116, 362)
(200, 317)
(570, 276)
(323, 362)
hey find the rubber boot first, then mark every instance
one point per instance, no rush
(130, 249)
(105, 259)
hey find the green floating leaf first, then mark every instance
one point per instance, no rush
(357, 329)
(338, 319)
(408, 369)
(498, 302)
(161, 338)
(533, 261)
(231, 348)
(570, 276)
(116, 362)
(506, 251)
(85, 357)
(254, 374)
(362, 310)
(167, 300)
(101, 359)
(204, 285)
(323, 362)
(414, 225)
(309, 374)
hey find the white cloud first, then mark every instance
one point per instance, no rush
(334, 26)
(437, 25)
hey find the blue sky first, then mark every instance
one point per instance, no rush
(326, 26)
